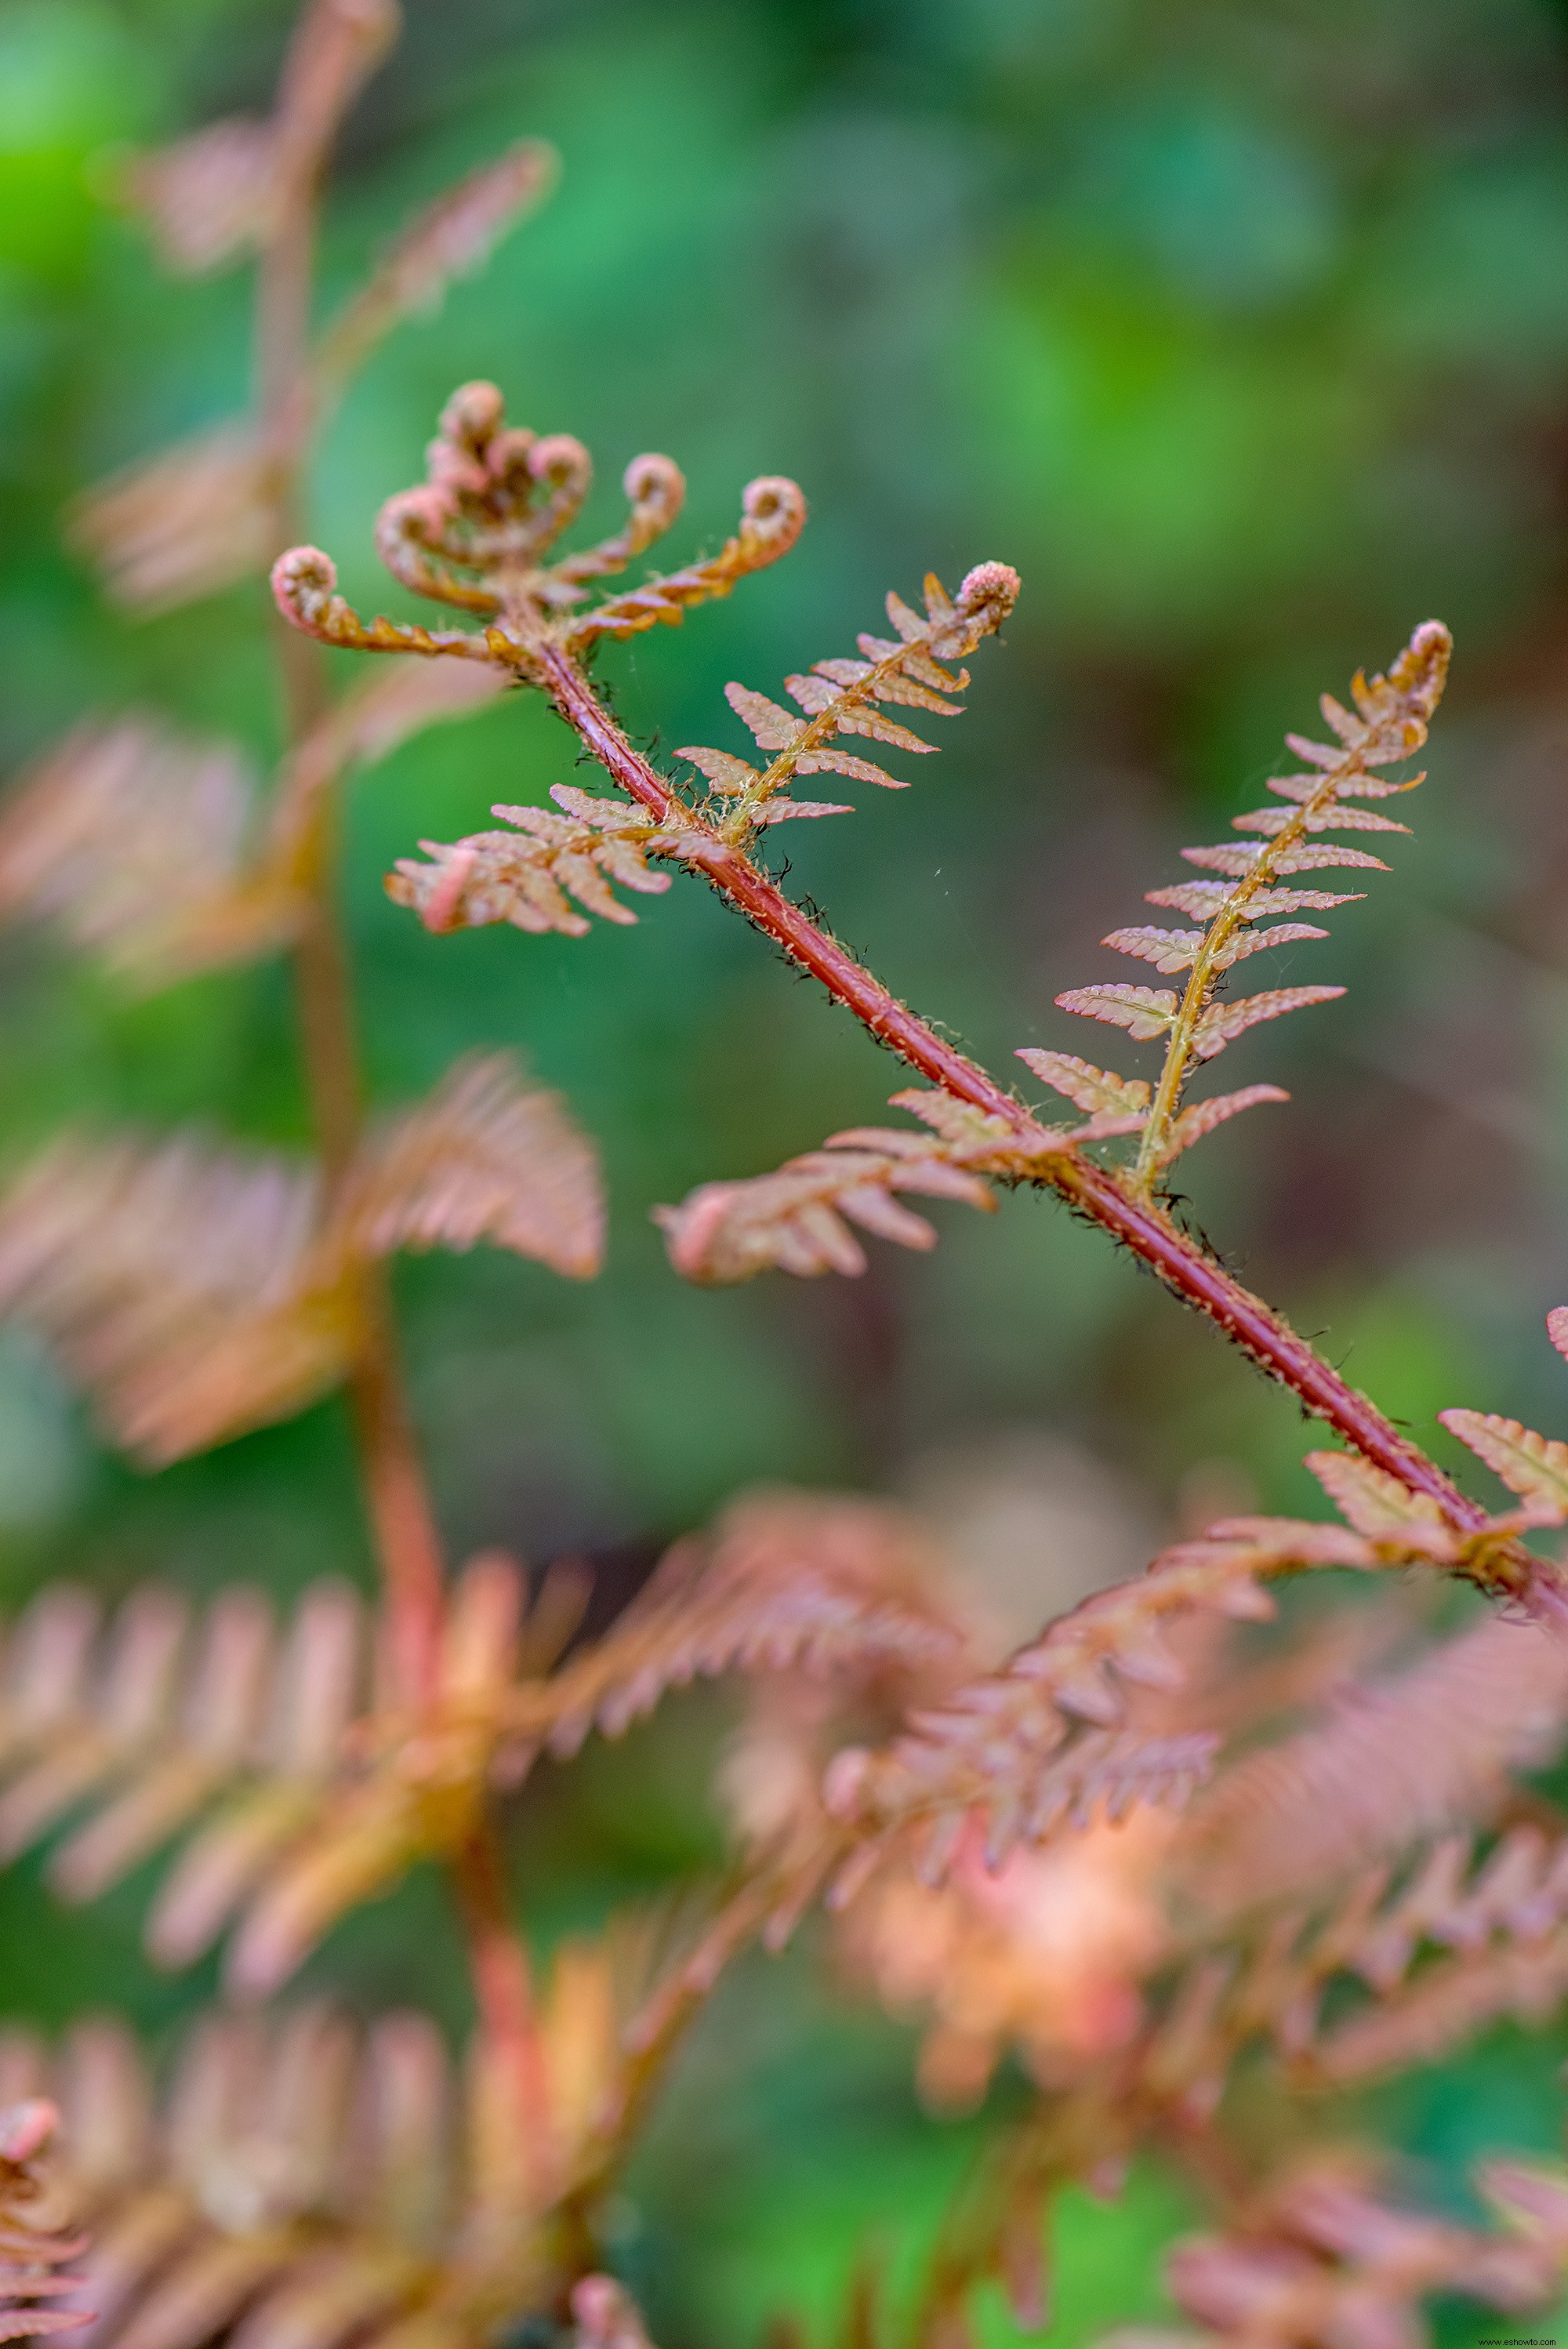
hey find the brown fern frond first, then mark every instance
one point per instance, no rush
(478, 533)
(182, 524)
(992, 1745)
(1502, 1927)
(157, 1726)
(785, 1582)
(33, 2253)
(850, 697)
(217, 195)
(1321, 2258)
(1507, 1930)
(1393, 1761)
(305, 2184)
(138, 841)
(451, 238)
(528, 876)
(129, 835)
(293, 1804)
(798, 1219)
(1533, 1466)
(196, 1293)
(485, 1157)
(1389, 720)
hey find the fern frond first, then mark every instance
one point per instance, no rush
(308, 2182)
(157, 1726)
(785, 1582)
(215, 196)
(1368, 1498)
(1223, 1022)
(451, 238)
(527, 877)
(851, 697)
(1390, 719)
(990, 1746)
(34, 2252)
(129, 836)
(485, 1157)
(1091, 1089)
(1320, 2258)
(1391, 1762)
(195, 1293)
(478, 533)
(182, 524)
(1506, 1930)
(797, 1219)
(1203, 1116)
(138, 841)
(1533, 1466)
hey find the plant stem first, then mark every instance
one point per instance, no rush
(503, 1993)
(1096, 1192)
(403, 1526)
(396, 1498)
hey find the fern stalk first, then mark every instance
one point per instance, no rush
(405, 1535)
(1119, 1205)
(395, 1490)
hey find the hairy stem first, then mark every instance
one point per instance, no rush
(1139, 1223)
(402, 1521)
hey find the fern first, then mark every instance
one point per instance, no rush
(1394, 1761)
(302, 2180)
(197, 1293)
(1389, 721)
(35, 2260)
(528, 876)
(1319, 2257)
(850, 697)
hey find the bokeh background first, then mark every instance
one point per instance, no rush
(1242, 331)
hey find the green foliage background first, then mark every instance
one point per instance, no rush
(1242, 330)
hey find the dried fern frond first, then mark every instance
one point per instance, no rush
(182, 524)
(33, 2254)
(1000, 1745)
(479, 532)
(485, 1157)
(239, 1746)
(1507, 1929)
(1389, 721)
(798, 1219)
(785, 1582)
(137, 841)
(133, 839)
(1321, 2258)
(305, 2184)
(215, 196)
(851, 697)
(1501, 1924)
(196, 1293)
(155, 1726)
(451, 238)
(1394, 1761)
(527, 877)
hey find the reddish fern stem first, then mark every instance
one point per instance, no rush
(503, 1993)
(1095, 1191)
